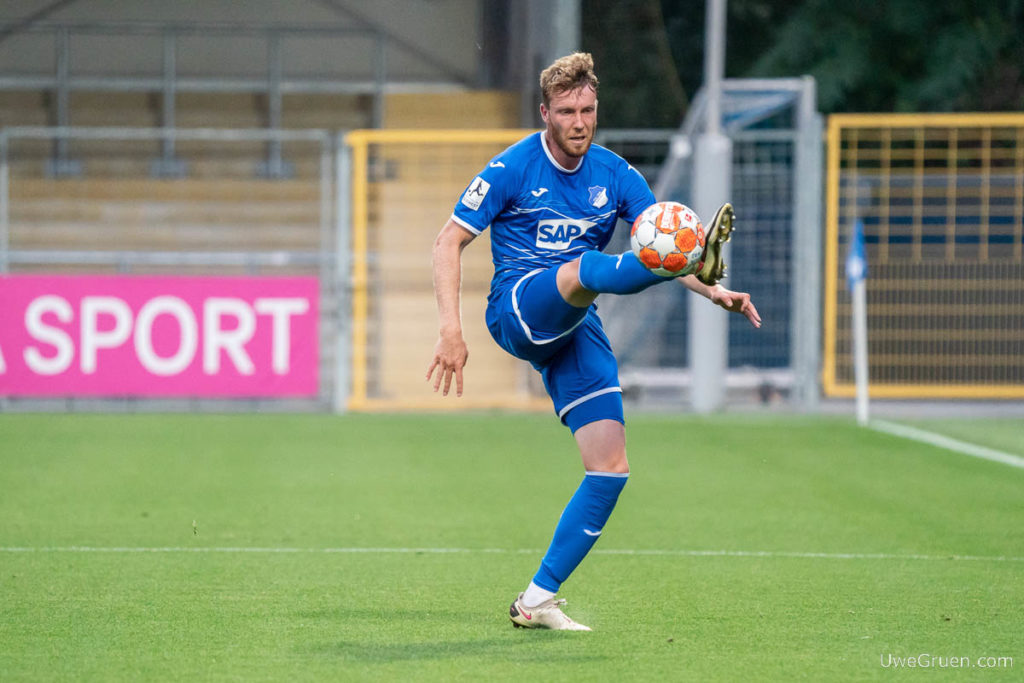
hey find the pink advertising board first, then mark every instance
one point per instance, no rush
(158, 336)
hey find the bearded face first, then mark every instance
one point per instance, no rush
(571, 119)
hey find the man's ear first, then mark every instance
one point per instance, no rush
(543, 112)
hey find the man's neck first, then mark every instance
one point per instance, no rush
(562, 160)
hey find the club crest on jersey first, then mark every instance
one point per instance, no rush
(475, 193)
(557, 234)
(598, 196)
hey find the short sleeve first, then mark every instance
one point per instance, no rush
(636, 194)
(485, 197)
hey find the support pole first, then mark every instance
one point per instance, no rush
(274, 163)
(167, 104)
(167, 165)
(5, 221)
(380, 79)
(708, 328)
(60, 165)
(343, 273)
(805, 330)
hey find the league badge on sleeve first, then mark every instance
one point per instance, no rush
(475, 193)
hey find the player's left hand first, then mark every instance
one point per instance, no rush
(736, 302)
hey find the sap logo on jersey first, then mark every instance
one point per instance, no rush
(559, 233)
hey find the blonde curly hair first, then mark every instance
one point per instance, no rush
(566, 74)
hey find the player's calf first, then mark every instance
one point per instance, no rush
(615, 273)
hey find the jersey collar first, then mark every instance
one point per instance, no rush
(563, 169)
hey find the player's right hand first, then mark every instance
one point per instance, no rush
(450, 356)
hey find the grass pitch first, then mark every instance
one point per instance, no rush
(376, 547)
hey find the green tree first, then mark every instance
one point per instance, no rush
(650, 53)
(877, 55)
(640, 85)
(904, 55)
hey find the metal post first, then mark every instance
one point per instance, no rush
(709, 325)
(565, 25)
(342, 274)
(380, 75)
(714, 63)
(167, 165)
(533, 25)
(807, 234)
(60, 164)
(274, 166)
(328, 290)
(5, 235)
(63, 95)
(167, 109)
(5, 221)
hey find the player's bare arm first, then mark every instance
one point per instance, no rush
(735, 302)
(450, 352)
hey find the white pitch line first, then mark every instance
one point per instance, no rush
(947, 443)
(767, 554)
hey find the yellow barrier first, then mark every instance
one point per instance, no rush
(404, 186)
(941, 198)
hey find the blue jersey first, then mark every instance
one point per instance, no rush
(541, 214)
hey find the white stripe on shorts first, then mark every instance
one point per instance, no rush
(595, 394)
(526, 328)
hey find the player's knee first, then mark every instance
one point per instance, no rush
(612, 462)
(619, 464)
(569, 286)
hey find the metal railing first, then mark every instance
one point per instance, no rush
(317, 255)
(776, 178)
(370, 44)
(333, 248)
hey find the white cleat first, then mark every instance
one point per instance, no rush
(547, 614)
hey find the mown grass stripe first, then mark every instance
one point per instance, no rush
(768, 554)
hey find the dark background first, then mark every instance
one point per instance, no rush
(875, 56)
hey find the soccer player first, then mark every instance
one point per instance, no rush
(552, 201)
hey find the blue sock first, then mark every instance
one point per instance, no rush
(616, 273)
(579, 527)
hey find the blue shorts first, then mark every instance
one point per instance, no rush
(567, 345)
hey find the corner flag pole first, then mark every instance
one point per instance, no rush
(856, 272)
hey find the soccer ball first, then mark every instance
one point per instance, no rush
(668, 238)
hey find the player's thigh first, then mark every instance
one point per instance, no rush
(532, 321)
(583, 378)
(541, 307)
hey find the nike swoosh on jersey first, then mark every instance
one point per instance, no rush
(537, 193)
(496, 164)
(588, 532)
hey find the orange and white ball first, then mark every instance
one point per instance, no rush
(668, 238)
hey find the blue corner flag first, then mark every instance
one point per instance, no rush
(856, 257)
